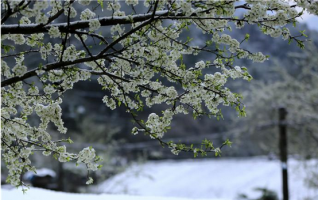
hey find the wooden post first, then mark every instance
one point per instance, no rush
(283, 150)
(60, 177)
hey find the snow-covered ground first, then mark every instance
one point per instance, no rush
(217, 179)
(42, 194)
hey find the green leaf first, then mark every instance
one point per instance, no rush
(217, 152)
(55, 156)
(101, 3)
(228, 143)
(247, 36)
(69, 141)
(303, 33)
(7, 48)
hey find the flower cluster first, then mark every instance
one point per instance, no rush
(132, 2)
(87, 156)
(54, 32)
(94, 25)
(87, 14)
(70, 53)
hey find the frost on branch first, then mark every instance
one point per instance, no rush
(137, 59)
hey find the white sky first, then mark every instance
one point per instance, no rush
(310, 19)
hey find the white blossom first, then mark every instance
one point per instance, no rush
(54, 32)
(94, 25)
(87, 14)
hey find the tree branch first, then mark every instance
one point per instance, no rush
(63, 27)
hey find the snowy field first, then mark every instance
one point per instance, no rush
(218, 179)
(41, 194)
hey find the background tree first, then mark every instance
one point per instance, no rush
(137, 58)
(297, 93)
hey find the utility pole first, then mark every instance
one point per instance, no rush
(283, 150)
